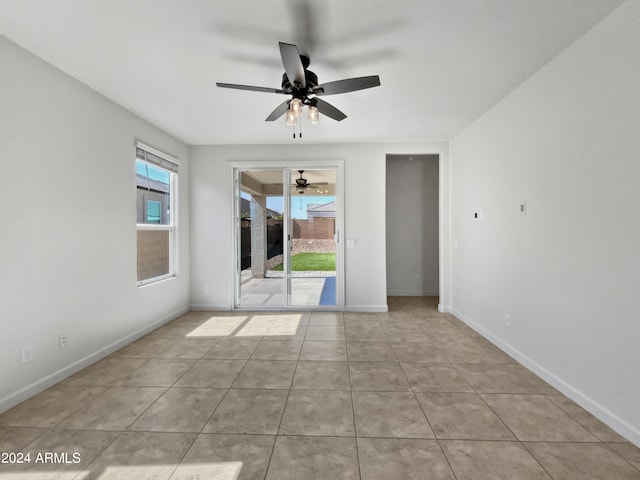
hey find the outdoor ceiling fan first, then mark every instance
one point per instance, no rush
(302, 85)
(302, 184)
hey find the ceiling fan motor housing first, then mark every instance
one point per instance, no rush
(301, 182)
(312, 82)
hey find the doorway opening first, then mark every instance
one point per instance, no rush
(413, 226)
(287, 240)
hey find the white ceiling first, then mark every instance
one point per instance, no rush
(442, 63)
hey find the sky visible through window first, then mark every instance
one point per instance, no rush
(155, 173)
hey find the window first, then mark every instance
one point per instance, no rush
(156, 180)
(154, 211)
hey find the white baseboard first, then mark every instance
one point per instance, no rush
(444, 308)
(40, 385)
(347, 308)
(609, 418)
(210, 308)
(426, 293)
(367, 308)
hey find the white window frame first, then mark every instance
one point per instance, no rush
(172, 227)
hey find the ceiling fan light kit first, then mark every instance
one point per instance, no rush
(302, 85)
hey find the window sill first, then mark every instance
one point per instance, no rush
(154, 280)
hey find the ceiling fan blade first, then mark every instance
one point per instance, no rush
(347, 85)
(251, 88)
(278, 112)
(293, 65)
(329, 110)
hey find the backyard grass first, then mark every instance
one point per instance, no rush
(308, 262)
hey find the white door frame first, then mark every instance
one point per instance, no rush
(338, 165)
(444, 218)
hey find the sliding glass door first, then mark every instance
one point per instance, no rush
(312, 246)
(286, 238)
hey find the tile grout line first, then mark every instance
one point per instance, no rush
(517, 439)
(606, 444)
(353, 407)
(277, 435)
(536, 459)
(479, 395)
(196, 434)
(206, 422)
(428, 422)
(520, 442)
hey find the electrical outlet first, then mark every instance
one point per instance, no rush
(507, 320)
(27, 354)
(351, 243)
(62, 341)
(205, 290)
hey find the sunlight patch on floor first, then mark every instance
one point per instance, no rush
(251, 325)
(218, 326)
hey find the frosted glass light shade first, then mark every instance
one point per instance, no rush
(296, 106)
(292, 118)
(313, 115)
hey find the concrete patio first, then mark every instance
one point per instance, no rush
(307, 289)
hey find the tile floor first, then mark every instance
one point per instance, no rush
(411, 394)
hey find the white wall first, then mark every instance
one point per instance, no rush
(412, 225)
(567, 272)
(365, 165)
(68, 213)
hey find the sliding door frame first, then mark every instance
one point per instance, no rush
(286, 167)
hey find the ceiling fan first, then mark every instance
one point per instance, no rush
(302, 184)
(302, 85)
